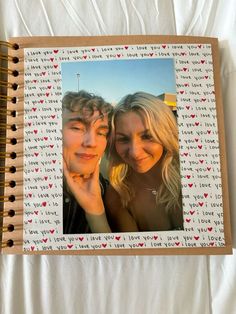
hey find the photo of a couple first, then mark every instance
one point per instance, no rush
(141, 190)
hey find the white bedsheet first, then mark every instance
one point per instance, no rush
(122, 284)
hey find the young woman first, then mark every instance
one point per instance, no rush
(145, 190)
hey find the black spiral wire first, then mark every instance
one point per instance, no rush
(5, 59)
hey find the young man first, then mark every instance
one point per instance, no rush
(86, 125)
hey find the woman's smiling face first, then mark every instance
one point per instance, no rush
(134, 142)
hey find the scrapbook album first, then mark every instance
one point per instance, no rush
(113, 145)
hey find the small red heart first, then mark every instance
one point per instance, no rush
(55, 51)
(201, 203)
(53, 161)
(155, 237)
(47, 94)
(190, 185)
(188, 107)
(196, 237)
(85, 57)
(49, 86)
(203, 99)
(117, 238)
(197, 123)
(208, 168)
(53, 116)
(45, 178)
(41, 101)
(35, 131)
(181, 92)
(55, 66)
(118, 55)
(50, 185)
(70, 246)
(185, 69)
(104, 245)
(43, 73)
(44, 204)
(81, 238)
(52, 231)
(164, 46)
(51, 146)
(126, 47)
(45, 138)
(209, 229)
(192, 212)
(45, 240)
(205, 195)
(32, 248)
(177, 243)
(36, 169)
(93, 49)
(30, 220)
(36, 154)
(34, 109)
(211, 243)
(36, 212)
(200, 146)
(193, 116)
(188, 176)
(203, 61)
(201, 161)
(151, 54)
(188, 219)
(52, 59)
(141, 244)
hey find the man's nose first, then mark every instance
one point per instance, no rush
(89, 139)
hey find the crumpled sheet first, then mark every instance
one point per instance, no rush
(127, 284)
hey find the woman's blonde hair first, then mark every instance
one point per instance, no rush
(162, 125)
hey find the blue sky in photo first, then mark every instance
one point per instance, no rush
(113, 79)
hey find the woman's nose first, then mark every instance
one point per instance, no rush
(134, 149)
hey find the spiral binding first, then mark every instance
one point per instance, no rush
(4, 112)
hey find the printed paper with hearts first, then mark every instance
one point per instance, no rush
(198, 138)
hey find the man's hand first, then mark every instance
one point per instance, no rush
(86, 190)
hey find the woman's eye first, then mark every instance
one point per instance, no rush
(147, 137)
(122, 139)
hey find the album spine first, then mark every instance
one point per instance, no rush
(9, 143)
